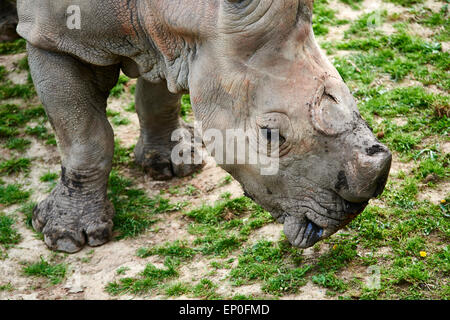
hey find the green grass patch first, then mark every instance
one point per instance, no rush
(186, 108)
(342, 252)
(135, 211)
(120, 121)
(437, 167)
(12, 116)
(205, 289)
(13, 47)
(49, 177)
(6, 287)
(22, 64)
(54, 272)
(323, 17)
(330, 281)
(12, 194)
(151, 278)
(27, 210)
(119, 88)
(41, 133)
(399, 55)
(122, 155)
(177, 249)
(18, 144)
(9, 236)
(9, 90)
(368, 22)
(177, 289)
(15, 166)
(405, 3)
(224, 226)
(270, 263)
(355, 4)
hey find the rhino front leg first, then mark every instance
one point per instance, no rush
(159, 117)
(74, 95)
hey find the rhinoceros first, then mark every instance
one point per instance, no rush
(8, 20)
(247, 64)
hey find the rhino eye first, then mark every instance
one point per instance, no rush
(269, 135)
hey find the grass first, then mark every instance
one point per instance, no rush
(120, 121)
(9, 236)
(12, 121)
(122, 270)
(221, 228)
(186, 108)
(177, 289)
(405, 3)
(205, 289)
(13, 116)
(8, 89)
(6, 287)
(323, 17)
(117, 119)
(119, 88)
(177, 249)
(226, 181)
(13, 47)
(330, 281)
(49, 177)
(135, 211)
(355, 4)
(15, 166)
(18, 144)
(265, 261)
(41, 133)
(12, 194)
(55, 273)
(149, 279)
(366, 23)
(122, 156)
(398, 55)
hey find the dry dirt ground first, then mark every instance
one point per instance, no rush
(90, 270)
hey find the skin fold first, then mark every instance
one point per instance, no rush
(251, 64)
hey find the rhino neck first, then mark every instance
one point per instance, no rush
(174, 30)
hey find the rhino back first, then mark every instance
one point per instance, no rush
(105, 34)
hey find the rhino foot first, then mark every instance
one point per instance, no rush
(68, 222)
(158, 164)
(155, 159)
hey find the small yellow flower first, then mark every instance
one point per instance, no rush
(423, 254)
(335, 247)
(443, 201)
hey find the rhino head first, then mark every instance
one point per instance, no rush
(261, 69)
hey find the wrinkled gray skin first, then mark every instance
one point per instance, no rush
(247, 64)
(8, 20)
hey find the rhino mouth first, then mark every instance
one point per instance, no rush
(312, 233)
(306, 229)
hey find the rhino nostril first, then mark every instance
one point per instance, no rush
(377, 148)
